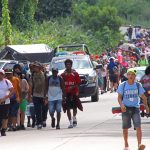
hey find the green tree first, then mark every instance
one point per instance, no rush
(94, 18)
(48, 9)
(7, 29)
(22, 13)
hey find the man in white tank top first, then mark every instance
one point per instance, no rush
(56, 92)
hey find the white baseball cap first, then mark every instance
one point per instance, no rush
(2, 71)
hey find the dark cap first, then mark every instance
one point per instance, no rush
(55, 69)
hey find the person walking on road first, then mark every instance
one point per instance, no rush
(6, 91)
(14, 100)
(112, 71)
(56, 92)
(129, 32)
(38, 91)
(129, 93)
(72, 81)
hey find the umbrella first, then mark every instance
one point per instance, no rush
(125, 46)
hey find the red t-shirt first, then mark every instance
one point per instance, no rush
(72, 81)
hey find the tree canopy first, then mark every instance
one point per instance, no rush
(94, 22)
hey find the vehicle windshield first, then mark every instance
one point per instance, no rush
(77, 64)
(9, 66)
(1, 64)
(140, 74)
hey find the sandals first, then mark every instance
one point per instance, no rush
(141, 147)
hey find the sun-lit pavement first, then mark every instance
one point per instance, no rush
(98, 129)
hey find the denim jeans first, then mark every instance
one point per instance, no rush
(44, 112)
(38, 106)
(132, 113)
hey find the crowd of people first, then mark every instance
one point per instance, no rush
(117, 69)
(113, 64)
(36, 94)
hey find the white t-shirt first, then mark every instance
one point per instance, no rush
(5, 85)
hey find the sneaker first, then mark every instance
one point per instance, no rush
(3, 132)
(39, 126)
(44, 123)
(53, 123)
(10, 129)
(33, 124)
(74, 123)
(57, 127)
(18, 128)
(22, 127)
(28, 124)
(14, 129)
(70, 126)
(126, 148)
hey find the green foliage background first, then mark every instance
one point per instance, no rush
(94, 22)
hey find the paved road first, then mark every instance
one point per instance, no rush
(98, 129)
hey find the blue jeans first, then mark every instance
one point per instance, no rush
(13, 109)
(54, 106)
(38, 106)
(132, 113)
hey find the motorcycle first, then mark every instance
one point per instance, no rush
(147, 94)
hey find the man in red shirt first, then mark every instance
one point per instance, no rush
(72, 81)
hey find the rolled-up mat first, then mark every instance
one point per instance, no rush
(118, 109)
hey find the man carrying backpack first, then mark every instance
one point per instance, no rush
(56, 93)
(129, 93)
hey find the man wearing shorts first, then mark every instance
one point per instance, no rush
(129, 93)
(56, 92)
(6, 91)
(14, 100)
(72, 82)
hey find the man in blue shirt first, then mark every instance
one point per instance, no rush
(129, 93)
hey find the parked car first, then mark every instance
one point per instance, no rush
(7, 64)
(84, 66)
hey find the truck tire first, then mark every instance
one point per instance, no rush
(95, 97)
